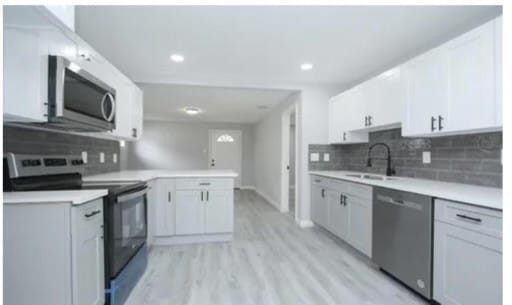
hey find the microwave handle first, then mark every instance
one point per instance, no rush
(110, 97)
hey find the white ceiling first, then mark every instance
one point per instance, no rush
(234, 105)
(262, 47)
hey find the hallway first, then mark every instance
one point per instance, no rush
(270, 261)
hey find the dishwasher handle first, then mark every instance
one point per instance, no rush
(399, 202)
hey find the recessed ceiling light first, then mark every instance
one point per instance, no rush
(192, 110)
(306, 66)
(262, 107)
(177, 57)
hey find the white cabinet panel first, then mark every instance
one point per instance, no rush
(88, 254)
(190, 212)
(319, 206)
(467, 266)
(471, 72)
(25, 75)
(426, 82)
(360, 224)
(498, 41)
(165, 208)
(384, 100)
(344, 114)
(338, 214)
(219, 211)
(137, 116)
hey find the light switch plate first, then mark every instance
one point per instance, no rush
(84, 156)
(426, 157)
(114, 158)
(314, 157)
(102, 157)
(327, 157)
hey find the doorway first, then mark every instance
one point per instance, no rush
(225, 151)
(289, 162)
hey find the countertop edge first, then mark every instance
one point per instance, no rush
(74, 199)
(490, 204)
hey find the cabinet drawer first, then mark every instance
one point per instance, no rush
(204, 184)
(317, 180)
(474, 218)
(360, 190)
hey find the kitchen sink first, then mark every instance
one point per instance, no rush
(371, 177)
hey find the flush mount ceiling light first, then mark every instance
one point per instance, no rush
(306, 66)
(192, 110)
(177, 57)
(262, 107)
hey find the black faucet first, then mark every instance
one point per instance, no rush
(389, 171)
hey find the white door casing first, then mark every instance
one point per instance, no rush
(225, 151)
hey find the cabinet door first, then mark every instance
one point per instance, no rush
(467, 266)
(426, 86)
(499, 70)
(338, 214)
(360, 224)
(471, 73)
(137, 113)
(219, 211)
(354, 109)
(88, 254)
(319, 207)
(335, 118)
(25, 75)
(385, 99)
(190, 212)
(165, 208)
(124, 96)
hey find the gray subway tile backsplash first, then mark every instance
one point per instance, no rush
(31, 141)
(473, 159)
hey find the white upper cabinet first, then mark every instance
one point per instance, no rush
(31, 34)
(426, 81)
(342, 118)
(498, 41)
(452, 89)
(384, 100)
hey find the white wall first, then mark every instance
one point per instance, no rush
(176, 145)
(267, 153)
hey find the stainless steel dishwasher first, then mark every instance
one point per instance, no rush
(402, 237)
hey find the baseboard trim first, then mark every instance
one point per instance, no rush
(268, 199)
(191, 239)
(304, 223)
(248, 187)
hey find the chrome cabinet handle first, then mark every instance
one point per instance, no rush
(440, 122)
(110, 97)
(369, 120)
(207, 195)
(91, 214)
(169, 197)
(201, 195)
(466, 217)
(341, 199)
(366, 121)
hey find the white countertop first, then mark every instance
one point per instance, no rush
(74, 197)
(146, 175)
(489, 197)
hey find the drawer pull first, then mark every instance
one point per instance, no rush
(204, 183)
(469, 218)
(91, 214)
(318, 180)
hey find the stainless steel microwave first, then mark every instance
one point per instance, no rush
(77, 100)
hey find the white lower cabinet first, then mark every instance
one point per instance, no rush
(53, 254)
(192, 210)
(344, 209)
(319, 206)
(165, 207)
(467, 255)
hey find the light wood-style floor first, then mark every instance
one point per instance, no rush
(270, 261)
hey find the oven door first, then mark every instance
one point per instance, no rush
(77, 99)
(128, 221)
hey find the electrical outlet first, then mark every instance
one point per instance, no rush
(84, 156)
(327, 157)
(314, 157)
(114, 158)
(102, 157)
(426, 157)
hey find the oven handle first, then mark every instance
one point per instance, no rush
(133, 195)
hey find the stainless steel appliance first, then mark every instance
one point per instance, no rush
(125, 213)
(77, 100)
(402, 237)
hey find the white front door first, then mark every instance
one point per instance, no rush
(226, 151)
